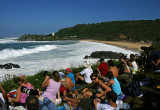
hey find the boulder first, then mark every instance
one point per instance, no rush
(87, 57)
(104, 54)
(9, 66)
(14, 65)
(1, 66)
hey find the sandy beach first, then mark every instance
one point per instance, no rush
(135, 46)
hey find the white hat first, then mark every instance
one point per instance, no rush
(87, 64)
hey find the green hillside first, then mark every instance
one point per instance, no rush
(35, 37)
(135, 30)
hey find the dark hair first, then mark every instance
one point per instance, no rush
(101, 60)
(56, 76)
(128, 61)
(32, 102)
(110, 75)
(94, 74)
(155, 57)
(45, 73)
(112, 95)
(132, 57)
(121, 57)
(110, 63)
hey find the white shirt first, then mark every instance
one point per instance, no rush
(2, 101)
(106, 106)
(134, 67)
(87, 73)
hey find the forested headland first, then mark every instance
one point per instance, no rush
(140, 30)
(129, 30)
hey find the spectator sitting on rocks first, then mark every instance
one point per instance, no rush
(66, 84)
(156, 62)
(123, 67)
(80, 103)
(103, 67)
(2, 97)
(113, 68)
(21, 97)
(101, 88)
(32, 103)
(70, 74)
(113, 103)
(114, 83)
(86, 72)
(48, 98)
(134, 67)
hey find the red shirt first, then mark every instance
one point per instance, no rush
(103, 68)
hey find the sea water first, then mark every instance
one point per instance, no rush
(34, 56)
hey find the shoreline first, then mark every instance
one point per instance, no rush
(134, 46)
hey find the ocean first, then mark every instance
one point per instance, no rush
(34, 56)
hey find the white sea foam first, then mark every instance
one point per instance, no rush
(7, 40)
(13, 40)
(11, 53)
(68, 56)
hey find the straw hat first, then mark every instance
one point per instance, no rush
(87, 64)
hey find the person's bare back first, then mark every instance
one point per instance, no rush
(114, 70)
(69, 83)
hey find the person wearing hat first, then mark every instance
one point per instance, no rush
(86, 72)
(70, 74)
(103, 67)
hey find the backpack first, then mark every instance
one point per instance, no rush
(134, 89)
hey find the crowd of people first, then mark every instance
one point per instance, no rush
(88, 89)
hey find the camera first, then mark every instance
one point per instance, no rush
(146, 48)
(29, 91)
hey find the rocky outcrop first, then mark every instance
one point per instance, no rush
(9, 66)
(104, 54)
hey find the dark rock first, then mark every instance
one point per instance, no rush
(105, 55)
(1, 66)
(87, 57)
(9, 66)
(14, 65)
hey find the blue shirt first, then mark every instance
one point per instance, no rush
(72, 77)
(116, 86)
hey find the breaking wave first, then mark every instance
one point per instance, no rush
(11, 53)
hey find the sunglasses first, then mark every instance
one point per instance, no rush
(93, 79)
